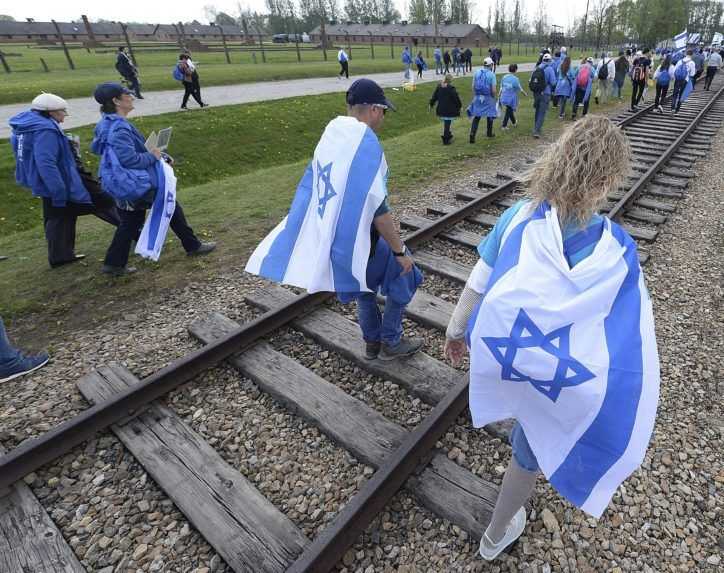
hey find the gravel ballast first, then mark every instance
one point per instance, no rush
(666, 517)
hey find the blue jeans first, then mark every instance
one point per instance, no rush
(9, 356)
(407, 71)
(377, 326)
(521, 449)
(540, 103)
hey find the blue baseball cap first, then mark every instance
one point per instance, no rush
(367, 92)
(108, 90)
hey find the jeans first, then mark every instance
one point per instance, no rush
(616, 88)
(509, 115)
(637, 90)
(407, 71)
(130, 228)
(476, 122)
(661, 90)
(446, 134)
(9, 356)
(679, 86)
(602, 90)
(710, 73)
(377, 326)
(438, 67)
(562, 101)
(540, 102)
(580, 94)
(521, 449)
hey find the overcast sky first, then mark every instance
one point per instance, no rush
(166, 11)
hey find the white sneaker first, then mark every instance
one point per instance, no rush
(489, 550)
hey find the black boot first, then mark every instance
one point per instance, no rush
(472, 138)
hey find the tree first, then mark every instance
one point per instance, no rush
(417, 11)
(540, 22)
(6, 18)
(387, 11)
(436, 11)
(459, 11)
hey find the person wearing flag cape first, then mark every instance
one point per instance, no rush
(560, 330)
(684, 72)
(138, 179)
(339, 235)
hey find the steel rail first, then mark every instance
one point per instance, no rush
(633, 193)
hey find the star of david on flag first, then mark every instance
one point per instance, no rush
(324, 175)
(526, 334)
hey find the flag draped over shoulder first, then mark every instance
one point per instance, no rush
(570, 353)
(323, 244)
(156, 226)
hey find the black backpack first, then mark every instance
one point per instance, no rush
(603, 70)
(537, 81)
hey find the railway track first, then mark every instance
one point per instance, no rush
(249, 532)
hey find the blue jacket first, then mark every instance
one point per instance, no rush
(483, 104)
(509, 89)
(128, 144)
(44, 159)
(550, 73)
(566, 83)
(406, 57)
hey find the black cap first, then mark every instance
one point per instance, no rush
(107, 91)
(367, 92)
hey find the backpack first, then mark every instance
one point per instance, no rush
(664, 78)
(637, 73)
(178, 75)
(481, 82)
(537, 82)
(603, 70)
(584, 74)
(119, 182)
(681, 71)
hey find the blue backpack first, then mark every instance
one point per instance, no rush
(681, 71)
(664, 77)
(482, 83)
(178, 75)
(120, 182)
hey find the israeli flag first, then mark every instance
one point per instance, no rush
(717, 39)
(681, 39)
(323, 244)
(694, 38)
(153, 234)
(570, 353)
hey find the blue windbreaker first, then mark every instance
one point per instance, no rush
(44, 159)
(566, 83)
(509, 89)
(483, 104)
(128, 144)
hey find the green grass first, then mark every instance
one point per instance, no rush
(28, 78)
(235, 210)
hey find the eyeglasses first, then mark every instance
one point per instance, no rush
(381, 106)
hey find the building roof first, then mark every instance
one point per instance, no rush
(413, 30)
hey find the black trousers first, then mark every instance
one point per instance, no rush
(710, 73)
(661, 90)
(679, 86)
(580, 94)
(447, 67)
(509, 115)
(59, 224)
(419, 70)
(696, 77)
(476, 122)
(133, 84)
(345, 69)
(130, 228)
(446, 131)
(192, 88)
(637, 90)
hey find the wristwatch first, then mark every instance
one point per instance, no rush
(402, 253)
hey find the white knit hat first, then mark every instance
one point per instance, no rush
(488, 62)
(48, 102)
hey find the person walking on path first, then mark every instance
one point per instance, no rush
(448, 60)
(339, 235)
(406, 62)
(457, 66)
(584, 84)
(564, 286)
(542, 83)
(129, 71)
(14, 363)
(639, 74)
(190, 80)
(437, 54)
(420, 63)
(684, 71)
(468, 59)
(448, 106)
(605, 72)
(126, 161)
(484, 103)
(698, 59)
(46, 161)
(343, 60)
(663, 76)
(713, 64)
(621, 68)
(565, 86)
(509, 89)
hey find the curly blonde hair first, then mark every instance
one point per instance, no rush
(576, 173)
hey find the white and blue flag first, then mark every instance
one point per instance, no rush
(578, 366)
(717, 39)
(153, 234)
(681, 39)
(323, 244)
